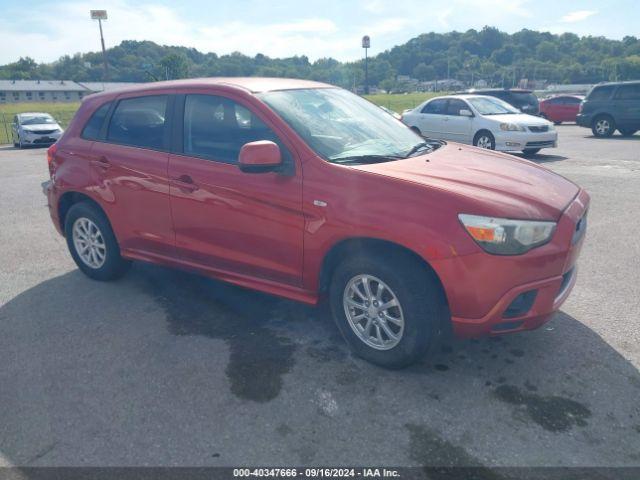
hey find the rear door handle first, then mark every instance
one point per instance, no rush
(185, 183)
(101, 162)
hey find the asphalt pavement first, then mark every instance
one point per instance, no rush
(166, 368)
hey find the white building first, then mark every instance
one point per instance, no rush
(26, 91)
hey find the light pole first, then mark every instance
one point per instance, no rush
(366, 43)
(101, 15)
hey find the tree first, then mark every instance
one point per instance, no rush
(175, 66)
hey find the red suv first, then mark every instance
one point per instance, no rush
(304, 190)
(561, 108)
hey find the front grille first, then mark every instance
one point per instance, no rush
(540, 144)
(539, 128)
(44, 140)
(43, 132)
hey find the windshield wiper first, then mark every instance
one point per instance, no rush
(367, 158)
(430, 144)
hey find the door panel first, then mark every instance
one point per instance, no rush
(224, 219)
(130, 174)
(431, 119)
(457, 128)
(133, 184)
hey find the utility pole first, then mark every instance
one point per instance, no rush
(366, 44)
(102, 15)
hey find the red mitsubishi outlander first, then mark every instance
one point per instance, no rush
(301, 189)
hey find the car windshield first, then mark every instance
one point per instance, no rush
(36, 119)
(491, 106)
(342, 127)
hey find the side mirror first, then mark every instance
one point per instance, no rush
(260, 157)
(466, 113)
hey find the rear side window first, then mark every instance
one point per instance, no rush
(455, 106)
(216, 128)
(520, 99)
(437, 107)
(628, 92)
(139, 122)
(91, 130)
(600, 93)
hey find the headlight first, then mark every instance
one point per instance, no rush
(552, 127)
(511, 127)
(502, 236)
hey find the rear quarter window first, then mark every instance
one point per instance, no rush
(92, 128)
(628, 92)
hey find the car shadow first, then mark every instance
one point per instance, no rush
(542, 157)
(616, 137)
(168, 368)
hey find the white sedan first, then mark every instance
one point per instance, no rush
(483, 121)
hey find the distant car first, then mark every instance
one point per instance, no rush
(35, 129)
(561, 108)
(395, 115)
(610, 107)
(523, 100)
(483, 121)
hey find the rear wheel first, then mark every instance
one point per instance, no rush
(530, 151)
(389, 312)
(92, 243)
(484, 139)
(603, 126)
(627, 132)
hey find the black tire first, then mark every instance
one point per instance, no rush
(627, 132)
(557, 123)
(419, 295)
(485, 134)
(114, 265)
(603, 126)
(528, 152)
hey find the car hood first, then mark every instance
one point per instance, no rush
(519, 118)
(496, 183)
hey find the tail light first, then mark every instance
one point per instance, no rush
(51, 152)
(580, 107)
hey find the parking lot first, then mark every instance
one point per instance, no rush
(167, 368)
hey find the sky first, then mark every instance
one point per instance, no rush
(45, 30)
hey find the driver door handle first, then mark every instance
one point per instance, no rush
(184, 183)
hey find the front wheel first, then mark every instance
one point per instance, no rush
(603, 126)
(485, 139)
(92, 243)
(390, 313)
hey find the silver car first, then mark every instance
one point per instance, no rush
(35, 129)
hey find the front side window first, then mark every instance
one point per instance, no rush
(92, 129)
(340, 126)
(139, 122)
(216, 128)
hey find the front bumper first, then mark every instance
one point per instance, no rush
(518, 141)
(583, 120)
(491, 294)
(29, 138)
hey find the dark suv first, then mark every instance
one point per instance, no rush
(610, 107)
(523, 100)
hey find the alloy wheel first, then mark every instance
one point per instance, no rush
(603, 126)
(89, 243)
(374, 312)
(484, 142)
